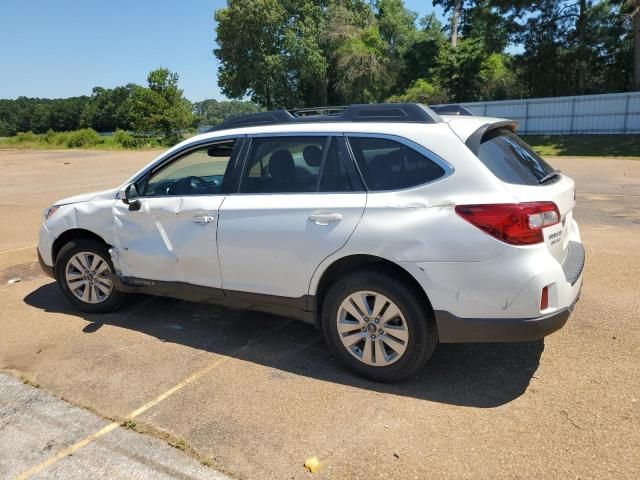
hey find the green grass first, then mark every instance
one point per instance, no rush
(545, 145)
(585, 145)
(80, 139)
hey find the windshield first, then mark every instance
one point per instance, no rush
(512, 160)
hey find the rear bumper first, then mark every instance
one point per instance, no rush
(452, 329)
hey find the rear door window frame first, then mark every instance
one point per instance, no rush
(345, 156)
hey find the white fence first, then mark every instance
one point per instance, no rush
(609, 113)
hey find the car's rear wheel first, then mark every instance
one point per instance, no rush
(83, 269)
(378, 326)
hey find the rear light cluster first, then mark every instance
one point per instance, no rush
(514, 223)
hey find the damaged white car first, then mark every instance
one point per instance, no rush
(389, 227)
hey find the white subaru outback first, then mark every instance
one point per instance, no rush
(389, 227)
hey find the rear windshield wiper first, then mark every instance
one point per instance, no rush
(549, 176)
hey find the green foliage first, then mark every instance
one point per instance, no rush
(364, 51)
(419, 60)
(108, 109)
(23, 137)
(421, 91)
(291, 53)
(586, 145)
(160, 109)
(362, 66)
(125, 139)
(213, 112)
(498, 80)
(269, 50)
(39, 114)
(84, 138)
(458, 69)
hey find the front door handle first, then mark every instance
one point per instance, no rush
(325, 218)
(203, 219)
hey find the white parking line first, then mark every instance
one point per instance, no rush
(163, 396)
(18, 249)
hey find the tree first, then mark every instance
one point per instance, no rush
(458, 70)
(421, 57)
(396, 24)
(362, 64)
(422, 91)
(345, 21)
(269, 50)
(160, 108)
(108, 109)
(213, 112)
(631, 10)
(484, 21)
(498, 80)
(454, 7)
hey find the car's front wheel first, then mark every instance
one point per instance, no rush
(82, 270)
(377, 326)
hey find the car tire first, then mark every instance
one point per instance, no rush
(403, 343)
(86, 288)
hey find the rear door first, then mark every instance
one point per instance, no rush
(530, 178)
(299, 200)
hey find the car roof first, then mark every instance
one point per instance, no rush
(463, 126)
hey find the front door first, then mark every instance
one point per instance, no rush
(299, 202)
(172, 237)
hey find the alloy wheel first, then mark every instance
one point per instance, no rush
(86, 276)
(372, 328)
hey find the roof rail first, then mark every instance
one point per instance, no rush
(451, 109)
(381, 112)
(303, 112)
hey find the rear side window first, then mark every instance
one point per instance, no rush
(512, 160)
(389, 165)
(295, 165)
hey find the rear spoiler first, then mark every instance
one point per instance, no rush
(475, 139)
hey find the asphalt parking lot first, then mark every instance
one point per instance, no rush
(253, 395)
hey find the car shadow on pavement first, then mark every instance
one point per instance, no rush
(480, 375)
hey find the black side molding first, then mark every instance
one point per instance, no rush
(285, 306)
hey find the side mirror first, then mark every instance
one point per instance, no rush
(131, 197)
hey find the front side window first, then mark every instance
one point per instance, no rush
(390, 165)
(199, 172)
(295, 165)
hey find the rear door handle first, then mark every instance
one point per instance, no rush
(325, 218)
(203, 219)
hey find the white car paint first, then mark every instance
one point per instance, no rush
(267, 244)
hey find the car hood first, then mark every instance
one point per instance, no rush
(85, 197)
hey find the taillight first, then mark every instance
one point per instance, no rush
(514, 223)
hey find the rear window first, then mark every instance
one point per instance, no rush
(389, 165)
(512, 160)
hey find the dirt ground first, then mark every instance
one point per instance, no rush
(254, 395)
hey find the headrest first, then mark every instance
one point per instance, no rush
(312, 155)
(281, 166)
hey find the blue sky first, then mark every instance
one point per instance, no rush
(63, 48)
